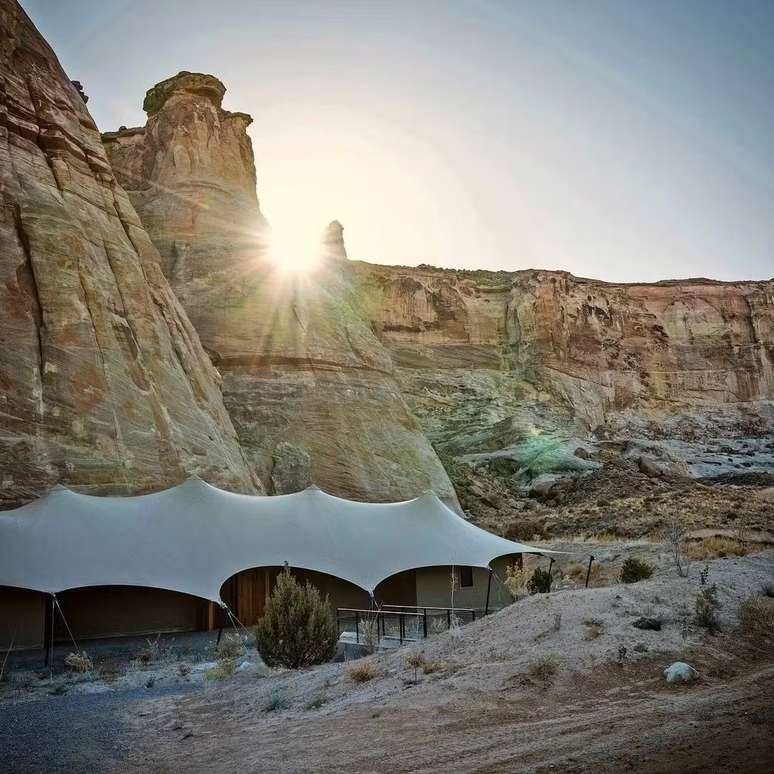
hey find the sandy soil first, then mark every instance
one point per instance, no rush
(483, 711)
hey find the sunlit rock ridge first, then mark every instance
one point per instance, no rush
(309, 387)
(104, 384)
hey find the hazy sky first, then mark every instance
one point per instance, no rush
(616, 139)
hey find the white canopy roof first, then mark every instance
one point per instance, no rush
(193, 537)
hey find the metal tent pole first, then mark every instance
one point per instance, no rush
(48, 630)
(488, 589)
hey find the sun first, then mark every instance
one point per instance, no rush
(295, 246)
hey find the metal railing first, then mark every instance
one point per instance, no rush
(404, 623)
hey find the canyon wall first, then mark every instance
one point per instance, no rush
(490, 361)
(310, 389)
(104, 384)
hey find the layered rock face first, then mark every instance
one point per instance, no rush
(310, 389)
(104, 384)
(492, 362)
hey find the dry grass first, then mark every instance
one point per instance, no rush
(225, 668)
(431, 667)
(756, 616)
(544, 667)
(79, 662)
(716, 547)
(362, 672)
(597, 577)
(232, 646)
(594, 629)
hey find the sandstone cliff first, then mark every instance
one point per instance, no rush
(491, 362)
(104, 384)
(310, 389)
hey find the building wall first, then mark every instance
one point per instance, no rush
(113, 611)
(22, 618)
(434, 587)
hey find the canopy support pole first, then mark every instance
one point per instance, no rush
(488, 589)
(588, 572)
(48, 631)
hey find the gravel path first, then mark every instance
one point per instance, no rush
(71, 734)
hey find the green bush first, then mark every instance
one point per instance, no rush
(298, 628)
(540, 582)
(634, 570)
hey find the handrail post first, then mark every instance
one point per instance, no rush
(424, 622)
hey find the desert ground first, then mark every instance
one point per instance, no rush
(554, 681)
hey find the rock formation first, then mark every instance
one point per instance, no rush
(104, 384)
(310, 389)
(516, 370)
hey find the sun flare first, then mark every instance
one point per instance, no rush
(296, 247)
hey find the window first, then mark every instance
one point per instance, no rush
(465, 575)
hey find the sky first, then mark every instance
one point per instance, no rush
(615, 139)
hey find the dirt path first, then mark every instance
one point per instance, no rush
(637, 725)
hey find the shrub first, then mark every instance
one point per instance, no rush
(277, 701)
(767, 590)
(415, 661)
(756, 616)
(315, 702)
(151, 651)
(516, 581)
(540, 582)
(594, 628)
(430, 667)
(362, 672)
(225, 668)
(79, 662)
(634, 570)
(298, 628)
(707, 607)
(716, 547)
(526, 530)
(544, 667)
(231, 646)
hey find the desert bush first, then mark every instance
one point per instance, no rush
(756, 616)
(525, 530)
(675, 539)
(415, 661)
(634, 570)
(594, 628)
(151, 651)
(544, 667)
(362, 672)
(716, 547)
(540, 582)
(369, 636)
(768, 590)
(298, 628)
(315, 702)
(430, 667)
(231, 646)
(224, 668)
(276, 702)
(516, 581)
(707, 608)
(184, 670)
(79, 662)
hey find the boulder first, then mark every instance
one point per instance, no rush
(680, 672)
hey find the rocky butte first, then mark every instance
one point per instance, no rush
(310, 388)
(104, 384)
